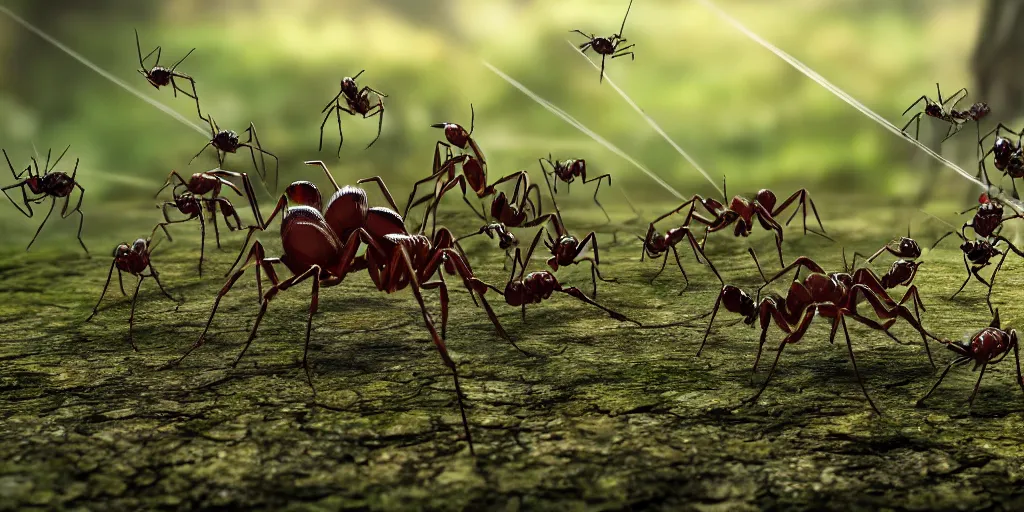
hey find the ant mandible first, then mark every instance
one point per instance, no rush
(983, 347)
(47, 184)
(608, 46)
(135, 260)
(159, 76)
(937, 109)
(358, 101)
(567, 171)
(227, 141)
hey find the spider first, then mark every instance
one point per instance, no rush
(159, 76)
(608, 46)
(358, 103)
(47, 184)
(227, 141)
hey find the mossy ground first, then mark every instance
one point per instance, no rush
(623, 418)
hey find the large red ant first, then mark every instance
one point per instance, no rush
(536, 287)
(987, 346)
(159, 76)
(47, 184)
(742, 212)
(227, 141)
(135, 260)
(937, 109)
(608, 46)
(567, 171)
(358, 101)
(322, 246)
(192, 203)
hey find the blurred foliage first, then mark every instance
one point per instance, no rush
(735, 107)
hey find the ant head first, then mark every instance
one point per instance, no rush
(122, 251)
(909, 248)
(303, 193)
(766, 198)
(454, 133)
(737, 301)
(712, 204)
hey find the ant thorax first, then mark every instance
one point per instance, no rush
(988, 343)
(159, 76)
(57, 184)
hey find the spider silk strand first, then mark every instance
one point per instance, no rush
(650, 121)
(579, 126)
(160, 106)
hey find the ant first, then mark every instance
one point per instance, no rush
(358, 101)
(904, 247)
(536, 287)
(135, 260)
(568, 170)
(937, 109)
(654, 244)
(227, 141)
(742, 212)
(565, 248)
(987, 346)
(159, 76)
(605, 46)
(977, 255)
(506, 239)
(192, 205)
(457, 136)
(1006, 156)
(47, 184)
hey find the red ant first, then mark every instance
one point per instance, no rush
(47, 184)
(457, 136)
(536, 287)
(135, 260)
(654, 245)
(833, 295)
(322, 246)
(1006, 156)
(742, 212)
(987, 346)
(192, 203)
(227, 141)
(358, 101)
(937, 109)
(901, 273)
(608, 46)
(159, 76)
(506, 239)
(565, 248)
(568, 170)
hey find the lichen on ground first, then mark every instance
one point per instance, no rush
(608, 416)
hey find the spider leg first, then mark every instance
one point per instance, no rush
(598, 180)
(917, 130)
(253, 137)
(378, 111)
(194, 95)
(77, 209)
(24, 195)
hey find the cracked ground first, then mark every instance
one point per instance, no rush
(605, 416)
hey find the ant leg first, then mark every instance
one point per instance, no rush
(977, 385)
(601, 78)
(77, 209)
(156, 277)
(598, 180)
(131, 316)
(259, 148)
(329, 111)
(24, 196)
(1016, 357)
(757, 264)
(216, 228)
(714, 312)
(959, 360)
(791, 338)
(438, 341)
(443, 298)
(194, 95)
(968, 266)
(110, 275)
(853, 360)
(914, 104)
(664, 262)
(917, 127)
(40, 229)
(383, 190)
(314, 272)
(575, 292)
(992, 282)
(680, 265)
(380, 121)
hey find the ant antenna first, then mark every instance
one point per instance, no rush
(624, 20)
(55, 162)
(357, 74)
(472, 118)
(725, 191)
(558, 213)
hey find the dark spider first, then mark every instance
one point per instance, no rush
(608, 46)
(227, 141)
(358, 103)
(47, 184)
(159, 76)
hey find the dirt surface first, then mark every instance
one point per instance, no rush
(608, 416)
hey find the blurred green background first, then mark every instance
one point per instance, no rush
(738, 109)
